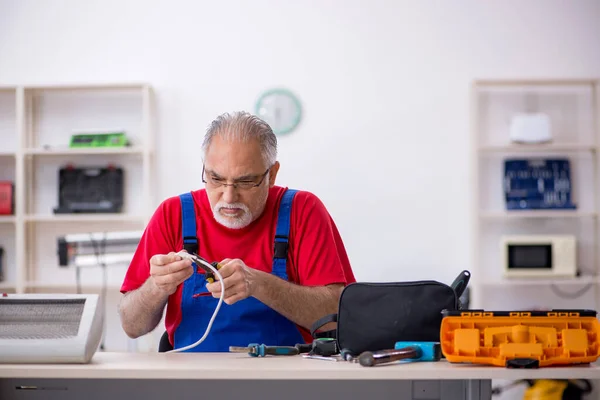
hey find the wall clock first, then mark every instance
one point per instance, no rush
(281, 109)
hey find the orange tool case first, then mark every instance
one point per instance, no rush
(520, 339)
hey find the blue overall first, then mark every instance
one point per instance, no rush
(247, 321)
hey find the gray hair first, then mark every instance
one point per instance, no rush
(243, 126)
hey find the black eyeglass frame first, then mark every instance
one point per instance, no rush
(236, 185)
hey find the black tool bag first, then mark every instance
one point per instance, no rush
(374, 316)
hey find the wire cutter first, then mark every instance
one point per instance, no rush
(196, 259)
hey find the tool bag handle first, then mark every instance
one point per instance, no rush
(320, 323)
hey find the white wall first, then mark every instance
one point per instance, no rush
(384, 84)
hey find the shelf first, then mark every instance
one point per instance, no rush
(536, 214)
(7, 285)
(7, 219)
(538, 148)
(536, 82)
(73, 286)
(91, 151)
(544, 281)
(571, 104)
(95, 87)
(100, 217)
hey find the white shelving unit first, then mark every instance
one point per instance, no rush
(574, 111)
(36, 124)
(8, 152)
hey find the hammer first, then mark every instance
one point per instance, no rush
(410, 351)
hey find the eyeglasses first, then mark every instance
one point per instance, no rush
(247, 183)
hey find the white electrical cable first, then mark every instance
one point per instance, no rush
(184, 254)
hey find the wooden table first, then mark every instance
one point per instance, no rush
(230, 375)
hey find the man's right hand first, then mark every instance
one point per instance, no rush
(169, 270)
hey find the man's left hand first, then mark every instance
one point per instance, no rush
(238, 279)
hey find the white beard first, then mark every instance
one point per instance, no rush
(237, 222)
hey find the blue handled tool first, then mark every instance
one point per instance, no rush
(261, 350)
(409, 351)
(426, 351)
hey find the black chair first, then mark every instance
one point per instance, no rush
(164, 344)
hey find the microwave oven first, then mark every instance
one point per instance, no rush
(539, 256)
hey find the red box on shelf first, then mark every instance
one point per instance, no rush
(7, 198)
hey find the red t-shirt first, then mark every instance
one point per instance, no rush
(316, 253)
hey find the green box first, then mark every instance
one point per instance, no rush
(108, 139)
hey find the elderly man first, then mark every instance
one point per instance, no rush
(283, 260)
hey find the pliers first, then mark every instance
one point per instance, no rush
(196, 259)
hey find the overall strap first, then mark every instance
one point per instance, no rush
(282, 234)
(188, 223)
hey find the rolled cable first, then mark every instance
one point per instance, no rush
(184, 254)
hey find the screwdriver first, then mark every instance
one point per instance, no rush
(261, 350)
